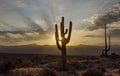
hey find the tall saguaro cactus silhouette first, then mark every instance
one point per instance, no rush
(107, 47)
(62, 40)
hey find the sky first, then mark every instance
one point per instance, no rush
(24, 22)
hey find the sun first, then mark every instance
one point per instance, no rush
(60, 38)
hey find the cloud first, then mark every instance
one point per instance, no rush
(18, 21)
(22, 14)
(33, 32)
(113, 15)
(115, 32)
(23, 20)
(93, 36)
(20, 36)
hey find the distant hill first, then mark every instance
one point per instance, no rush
(52, 49)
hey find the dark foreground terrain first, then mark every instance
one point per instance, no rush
(50, 65)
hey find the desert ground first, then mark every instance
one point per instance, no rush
(50, 65)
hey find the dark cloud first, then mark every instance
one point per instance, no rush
(93, 36)
(19, 36)
(113, 15)
(32, 31)
(92, 28)
(115, 32)
(45, 16)
(35, 31)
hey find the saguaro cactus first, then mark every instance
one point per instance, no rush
(62, 40)
(107, 47)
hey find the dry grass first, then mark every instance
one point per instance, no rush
(96, 71)
(32, 72)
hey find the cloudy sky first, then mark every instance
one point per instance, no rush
(25, 22)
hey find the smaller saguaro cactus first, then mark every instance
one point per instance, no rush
(62, 40)
(107, 47)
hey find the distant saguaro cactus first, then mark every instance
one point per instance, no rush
(62, 40)
(107, 47)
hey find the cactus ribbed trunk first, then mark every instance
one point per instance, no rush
(64, 57)
(61, 40)
(107, 47)
(105, 42)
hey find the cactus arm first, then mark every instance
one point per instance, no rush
(70, 30)
(109, 44)
(62, 27)
(66, 31)
(105, 38)
(69, 33)
(57, 37)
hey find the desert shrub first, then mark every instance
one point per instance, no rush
(78, 66)
(32, 72)
(96, 71)
(14, 63)
(5, 66)
(22, 62)
(25, 72)
(114, 56)
(49, 72)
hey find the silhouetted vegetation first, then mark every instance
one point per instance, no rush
(49, 72)
(14, 63)
(61, 40)
(96, 71)
(32, 72)
(40, 65)
(107, 47)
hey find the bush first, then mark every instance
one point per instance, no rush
(49, 72)
(6, 66)
(14, 63)
(22, 62)
(32, 72)
(96, 71)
